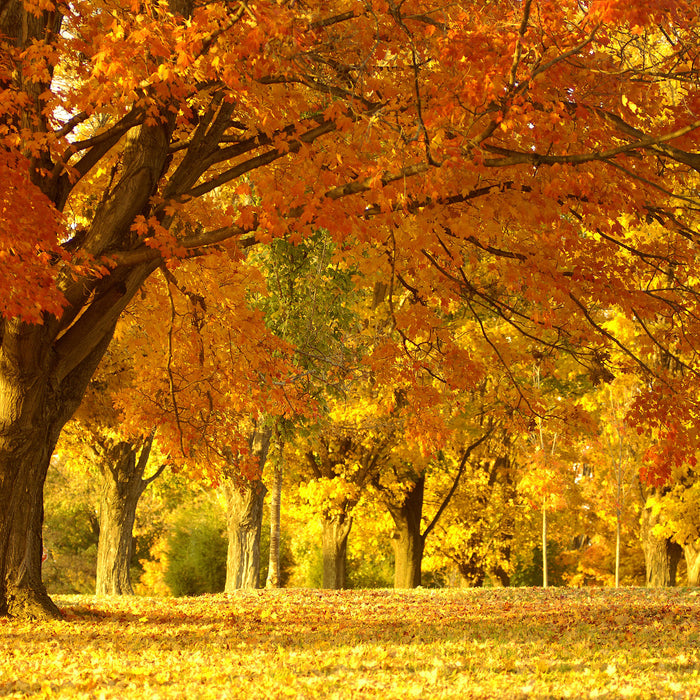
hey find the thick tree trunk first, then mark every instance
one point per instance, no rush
(273, 569)
(503, 576)
(408, 541)
(334, 547)
(22, 593)
(34, 406)
(245, 513)
(122, 484)
(692, 559)
(661, 554)
(45, 368)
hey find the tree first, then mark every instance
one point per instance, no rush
(341, 464)
(100, 435)
(514, 140)
(478, 532)
(610, 461)
(403, 494)
(123, 468)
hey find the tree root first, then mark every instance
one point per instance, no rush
(28, 604)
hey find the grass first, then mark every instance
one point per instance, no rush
(493, 643)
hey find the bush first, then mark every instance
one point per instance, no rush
(370, 571)
(197, 553)
(529, 573)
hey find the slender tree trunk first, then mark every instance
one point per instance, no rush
(661, 554)
(122, 484)
(408, 541)
(545, 581)
(619, 476)
(245, 511)
(273, 569)
(617, 549)
(692, 559)
(334, 546)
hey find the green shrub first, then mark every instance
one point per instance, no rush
(197, 553)
(529, 572)
(370, 572)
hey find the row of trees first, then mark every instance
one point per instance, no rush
(509, 195)
(578, 463)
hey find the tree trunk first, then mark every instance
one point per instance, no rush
(245, 515)
(503, 576)
(618, 537)
(408, 542)
(122, 468)
(334, 546)
(245, 512)
(661, 554)
(273, 569)
(34, 406)
(472, 573)
(24, 460)
(692, 559)
(45, 367)
(545, 580)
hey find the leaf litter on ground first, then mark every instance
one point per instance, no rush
(455, 643)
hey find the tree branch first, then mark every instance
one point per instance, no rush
(455, 483)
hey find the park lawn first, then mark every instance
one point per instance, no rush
(483, 643)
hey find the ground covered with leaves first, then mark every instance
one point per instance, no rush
(362, 644)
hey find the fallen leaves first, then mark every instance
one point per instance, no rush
(342, 644)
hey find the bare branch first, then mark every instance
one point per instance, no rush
(455, 483)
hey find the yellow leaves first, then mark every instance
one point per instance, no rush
(371, 644)
(328, 496)
(164, 72)
(629, 104)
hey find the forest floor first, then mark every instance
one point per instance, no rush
(487, 643)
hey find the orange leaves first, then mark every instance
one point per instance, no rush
(481, 171)
(160, 238)
(29, 250)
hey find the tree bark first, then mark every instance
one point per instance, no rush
(34, 407)
(472, 572)
(545, 580)
(661, 554)
(691, 549)
(334, 547)
(408, 541)
(244, 516)
(122, 468)
(273, 569)
(245, 512)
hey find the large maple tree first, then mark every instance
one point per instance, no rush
(542, 151)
